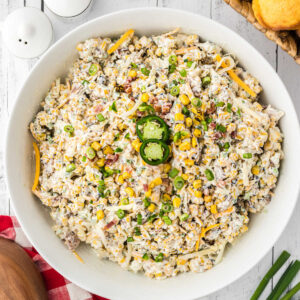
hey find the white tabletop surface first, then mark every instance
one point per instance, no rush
(13, 71)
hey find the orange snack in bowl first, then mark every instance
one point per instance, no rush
(278, 14)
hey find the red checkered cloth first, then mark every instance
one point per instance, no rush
(58, 287)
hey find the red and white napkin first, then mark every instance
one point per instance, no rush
(58, 287)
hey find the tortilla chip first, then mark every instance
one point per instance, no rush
(280, 14)
(256, 10)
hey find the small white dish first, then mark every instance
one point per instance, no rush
(106, 278)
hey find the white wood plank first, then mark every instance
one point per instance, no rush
(202, 7)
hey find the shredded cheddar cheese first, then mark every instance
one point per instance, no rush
(37, 166)
(119, 42)
(236, 78)
(78, 256)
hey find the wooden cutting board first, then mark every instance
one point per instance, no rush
(19, 277)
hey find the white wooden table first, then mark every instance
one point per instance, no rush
(13, 71)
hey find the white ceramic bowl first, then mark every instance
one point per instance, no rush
(106, 278)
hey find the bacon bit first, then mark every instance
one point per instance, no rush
(166, 108)
(139, 113)
(111, 158)
(167, 184)
(127, 88)
(213, 125)
(98, 108)
(233, 134)
(146, 187)
(110, 224)
(211, 109)
(217, 135)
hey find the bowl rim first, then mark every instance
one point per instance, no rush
(43, 57)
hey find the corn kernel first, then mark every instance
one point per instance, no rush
(126, 175)
(136, 144)
(96, 146)
(194, 142)
(179, 117)
(198, 194)
(189, 162)
(132, 73)
(197, 132)
(244, 228)
(176, 202)
(184, 99)
(255, 170)
(145, 97)
(167, 168)
(179, 127)
(100, 214)
(122, 126)
(151, 207)
(100, 162)
(155, 182)
(181, 262)
(166, 197)
(207, 198)
(121, 179)
(196, 122)
(108, 150)
(213, 209)
(130, 192)
(148, 193)
(185, 176)
(197, 184)
(185, 146)
(188, 122)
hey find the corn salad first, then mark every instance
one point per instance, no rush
(178, 216)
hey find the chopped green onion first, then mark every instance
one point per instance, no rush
(113, 107)
(204, 125)
(145, 256)
(124, 201)
(137, 231)
(117, 136)
(185, 111)
(145, 107)
(83, 159)
(90, 153)
(161, 213)
(220, 104)
(229, 106)
(120, 213)
(178, 182)
(272, 271)
(221, 128)
(118, 150)
(152, 218)
(173, 59)
(292, 292)
(139, 219)
(172, 68)
(247, 155)
(167, 220)
(239, 112)
(84, 82)
(134, 65)
(145, 71)
(208, 120)
(175, 90)
(146, 202)
(189, 63)
(206, 81)
(159, 257)
(166, 207)
(130, 239)
(182, 81)
(196, 102)
(226, 146)
(100, 118)
(127, 136)
(285, 280)
(93, 69)
(70, 168)
(177, 137)
(209, 175)
(173, 172)
(184, 217)
(69, 129)
(182, 72)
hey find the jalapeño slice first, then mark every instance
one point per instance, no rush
(152, 127)
(154, 152)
